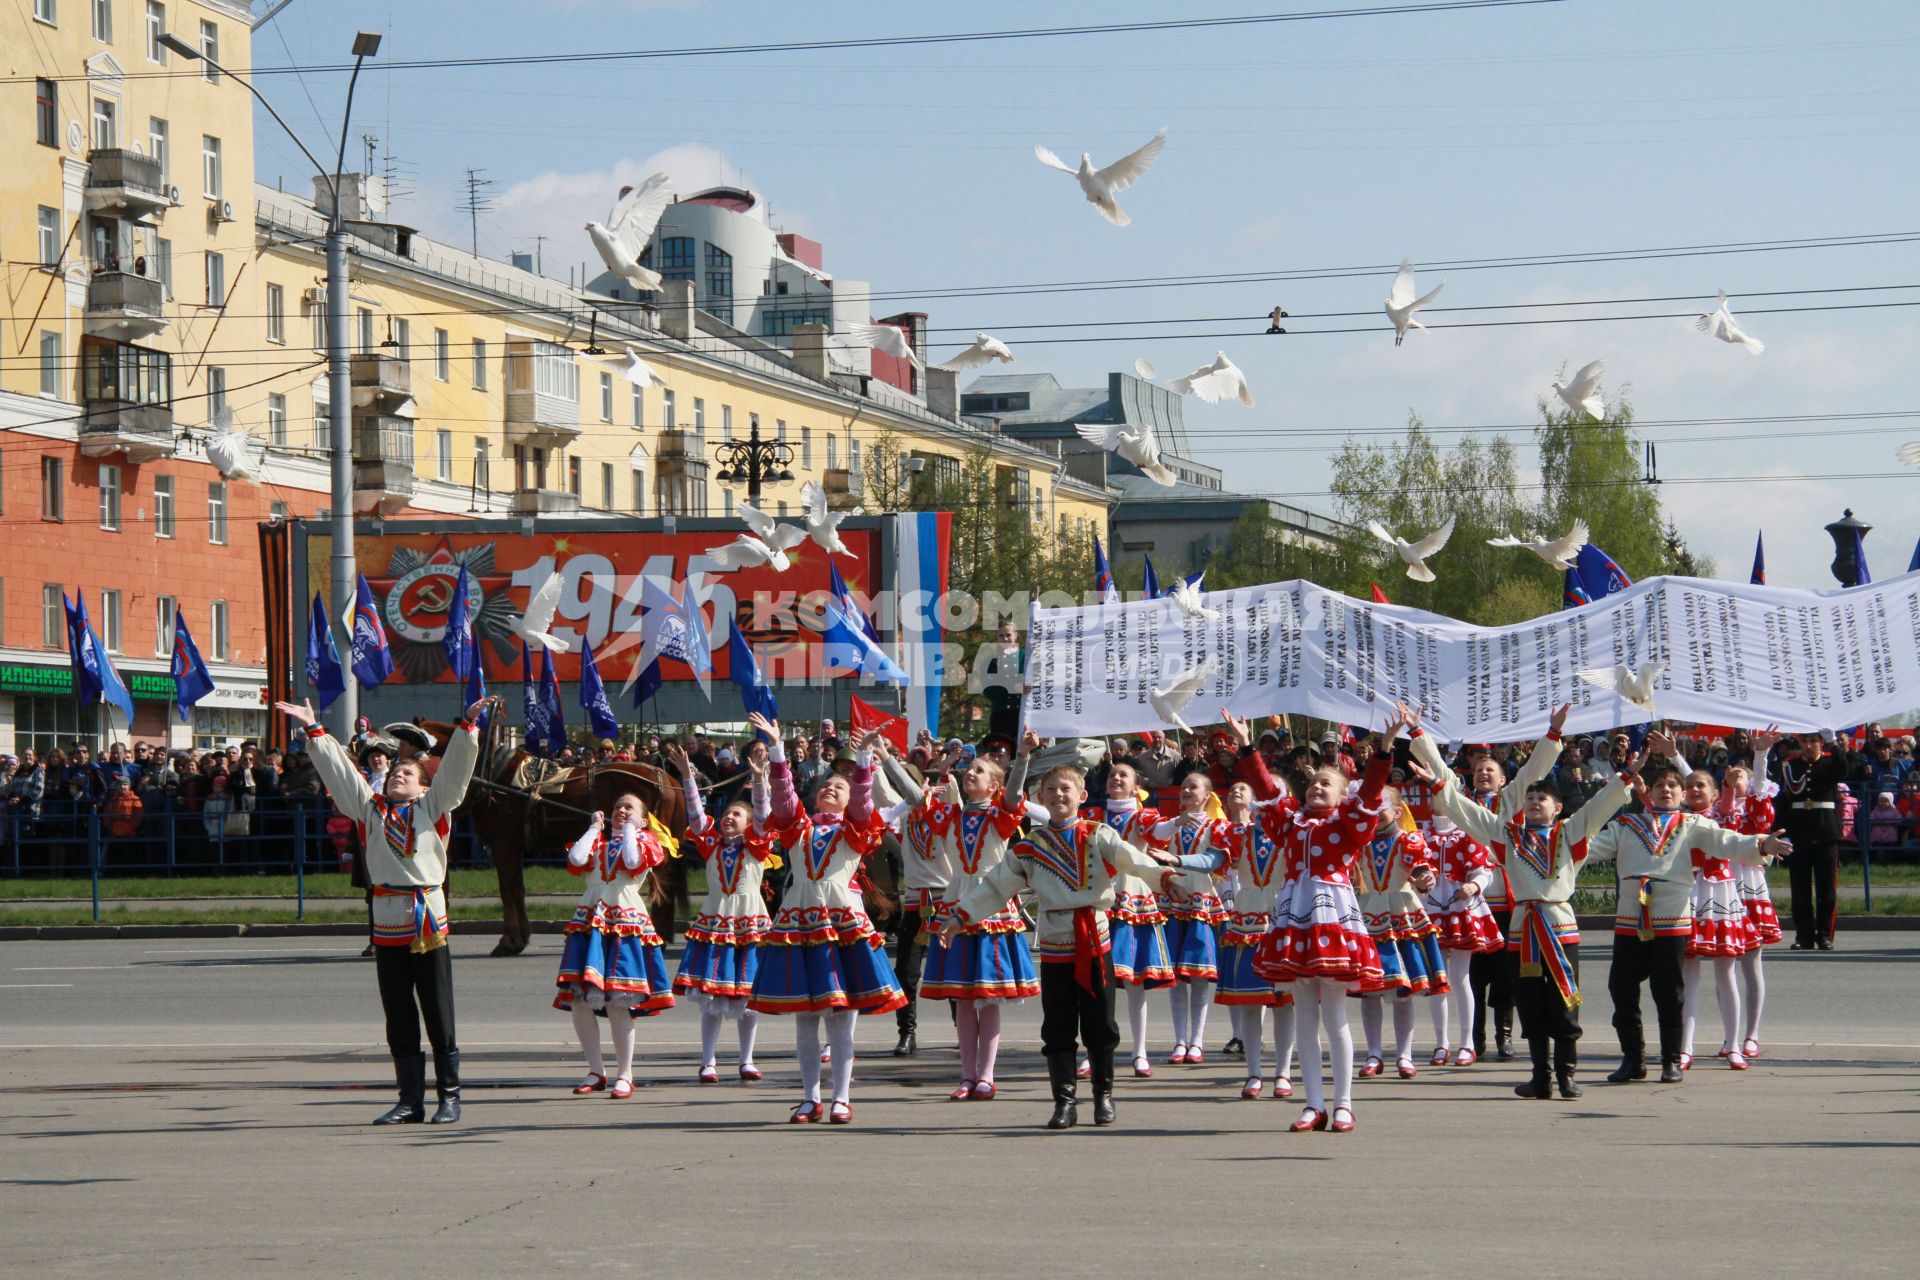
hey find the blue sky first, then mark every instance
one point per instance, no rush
(1582, 126)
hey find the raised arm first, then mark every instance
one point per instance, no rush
(456, 765)
(1719, 842)
(347, 789)
(580, 853)
(783, 801)
(1468, 814)
(901, 780)
(1597, 812)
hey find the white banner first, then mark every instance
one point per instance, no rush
(1735, 654)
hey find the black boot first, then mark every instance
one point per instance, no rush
(446, 1075)
(909, 1044)
(1503, 1035)
(1060, 1076)
(1565, 1059)
(1540, 1086)
(1103, 1110)
(411, 1071)
(1670, 1072)
(1633, 1062)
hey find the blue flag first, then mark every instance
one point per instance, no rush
(85, 659)
(477, 680)
(744, 671)
(699, 646)
(458, 638)
(1149, 580)
(1915, 562)
(848, 605)
(1759, 576)
(190, 679)
(324, 673)
(1860, 558)
(372, 655)
(1103, 575)
(847, 649)
(546, 731)
(1594, 576)
(593, 697)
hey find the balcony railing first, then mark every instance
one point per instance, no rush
(544, 502)
(127, 392)
(121, 304)
(379, 378)
(122, 179)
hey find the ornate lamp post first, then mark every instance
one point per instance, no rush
(755, 462)
(1848, 536)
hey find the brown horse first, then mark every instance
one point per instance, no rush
(515, 821)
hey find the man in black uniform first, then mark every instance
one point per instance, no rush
(1809, 813)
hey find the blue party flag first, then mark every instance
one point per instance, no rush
(458, 638)
(1149, 580)
(847, 649)
(744, 671)
(593, 697)
(1103, 575)
(324, 673)
(848, 605)
(372, 655)
(546, 731)
(190, 679)
(1759, 576)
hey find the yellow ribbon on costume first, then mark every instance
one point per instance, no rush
(774, 862)
(664, 836)
(1215, 811)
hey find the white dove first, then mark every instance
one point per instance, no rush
(1100, 184)
(1415, 553)
(1401, 304)
(985, 349)
(1636, 687)
(768, 543)
(1179, 692)
(1186, 597)
(624, 238)
(639, 372)
(1557, 552)
(1138, 447)
(880, 337)
(823, 526)
(533, 625)
(1582, 395)
(1721, 325)
(1909, 453)
(1216, 383)
(236, 454)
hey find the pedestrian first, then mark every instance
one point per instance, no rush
(1811, 776)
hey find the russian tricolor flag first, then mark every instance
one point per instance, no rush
(922, 545)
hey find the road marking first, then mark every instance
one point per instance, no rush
(16, 986)
(66, 968)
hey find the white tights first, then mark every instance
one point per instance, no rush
(1137, 1018)
(710, 1020)
(1252, 1028)
(1190, 998)
(806, 1034)
(1371, 1019)
(1726, 993)
(1753, 995)
(620, 1022)
(1459, 1004)
(1322, 1004)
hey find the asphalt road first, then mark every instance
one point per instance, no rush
(198, 1107)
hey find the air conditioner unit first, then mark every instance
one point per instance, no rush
(173, 195)
(220, 210)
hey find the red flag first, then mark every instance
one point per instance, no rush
(1379, 596)
(865, 716)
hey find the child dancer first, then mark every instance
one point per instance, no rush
(723, 942)
(1394, 871)
(612, 962)
(1140, 960)
(1721, 932)
(1195, 914)
(1319, 941)
(1747, 806)
(824, 959)
(1253, 856)
(1457, 905)
(989, 965)
(924, 872)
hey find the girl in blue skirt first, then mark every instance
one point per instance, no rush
(1394, 871)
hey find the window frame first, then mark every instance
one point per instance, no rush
(47, 11)
(277, 314)
(209, 51)
(53, 616)
(212, 175)
(46, 113)
(443, 455)
(606, 397)
(216, 274)
(217, 639)
(277, 419)
(53, 356)
(164, 609)
(105, 118)
(48, 230)
(110, 485)
(53, 489)
(216, 513)
(156, 27)
(103, 21)
(112, 620)
(163, 507)
(442, 358)
(479, 349)
(160, 144)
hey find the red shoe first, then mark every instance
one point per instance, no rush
(1750, 1049)
(840, 1113)
(1373, 1067)
(1686, 1062)
(1440, 1058)
(1083, 1071)
(1283, 1088)
(1179, 1054)
(963, 1094)
(1737, 1061)
(709, 1074)
(826, 1055)
(1465, 1058)
(985, 1092)
(1309, 1120)
(622, 1088)
(751, 1074)
(806, 1113)
(1142, 1068)
(594, 1083)
(1339, 1125)
(1725, 1050)
(1407, 1070)
(1195, 1057)
(1251, 1089)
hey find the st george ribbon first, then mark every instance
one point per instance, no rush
(1734, 654)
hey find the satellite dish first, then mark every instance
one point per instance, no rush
(1144, 367)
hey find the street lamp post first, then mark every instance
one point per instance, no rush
(755, 462)
(343, 566)
(1849, 535)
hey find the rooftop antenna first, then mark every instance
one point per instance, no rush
(476, 203)
(539, 243)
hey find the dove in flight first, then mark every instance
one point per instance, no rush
(1138, 447)
(985, 349)
(1101, 184)
(1401, 304)
(1721, 324)
(1910, 453)
(767, 544)
(1186, 597)
(628, 228)
(236, 454)
(1582, 395)
(639, 372)
(891, 339)
(1178, 694)
(1636, 687)
(823, 526)
(1217, 382)
(1558, 552)
(534, 625)
(1415, 554)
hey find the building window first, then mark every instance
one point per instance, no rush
(209, 51)
(51, 354)
(277, 512)
(699, 416)
(157, 134)
(217, 280)
(276, 314)
(110, 620)
(726, 502)
(806, 448)
(606, 397)
(667, 421)
(403, 339)
(217, 629)
(53, 617)
(110, 498)
(46, 114)
(639, 406)
(163, 264)
(443, 455)
(441, 360)
(49, 220)
(676, 258)
(125, 373)
(53, 489)
(482, 468)
(573, 476)
(210, 166)
(216, 393)
(720, 283)
(103, 20)
(217, 514)
(163, 506)
(833, 451)
(105, 135)
(639, 491)
(156, 27)
(277, 420)
(726, 422)
(853, 455)
(479, 364)
(364, 318)
(781, 321)
(318, 311)
(545, 368)
(606, 485)
(163, 610)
